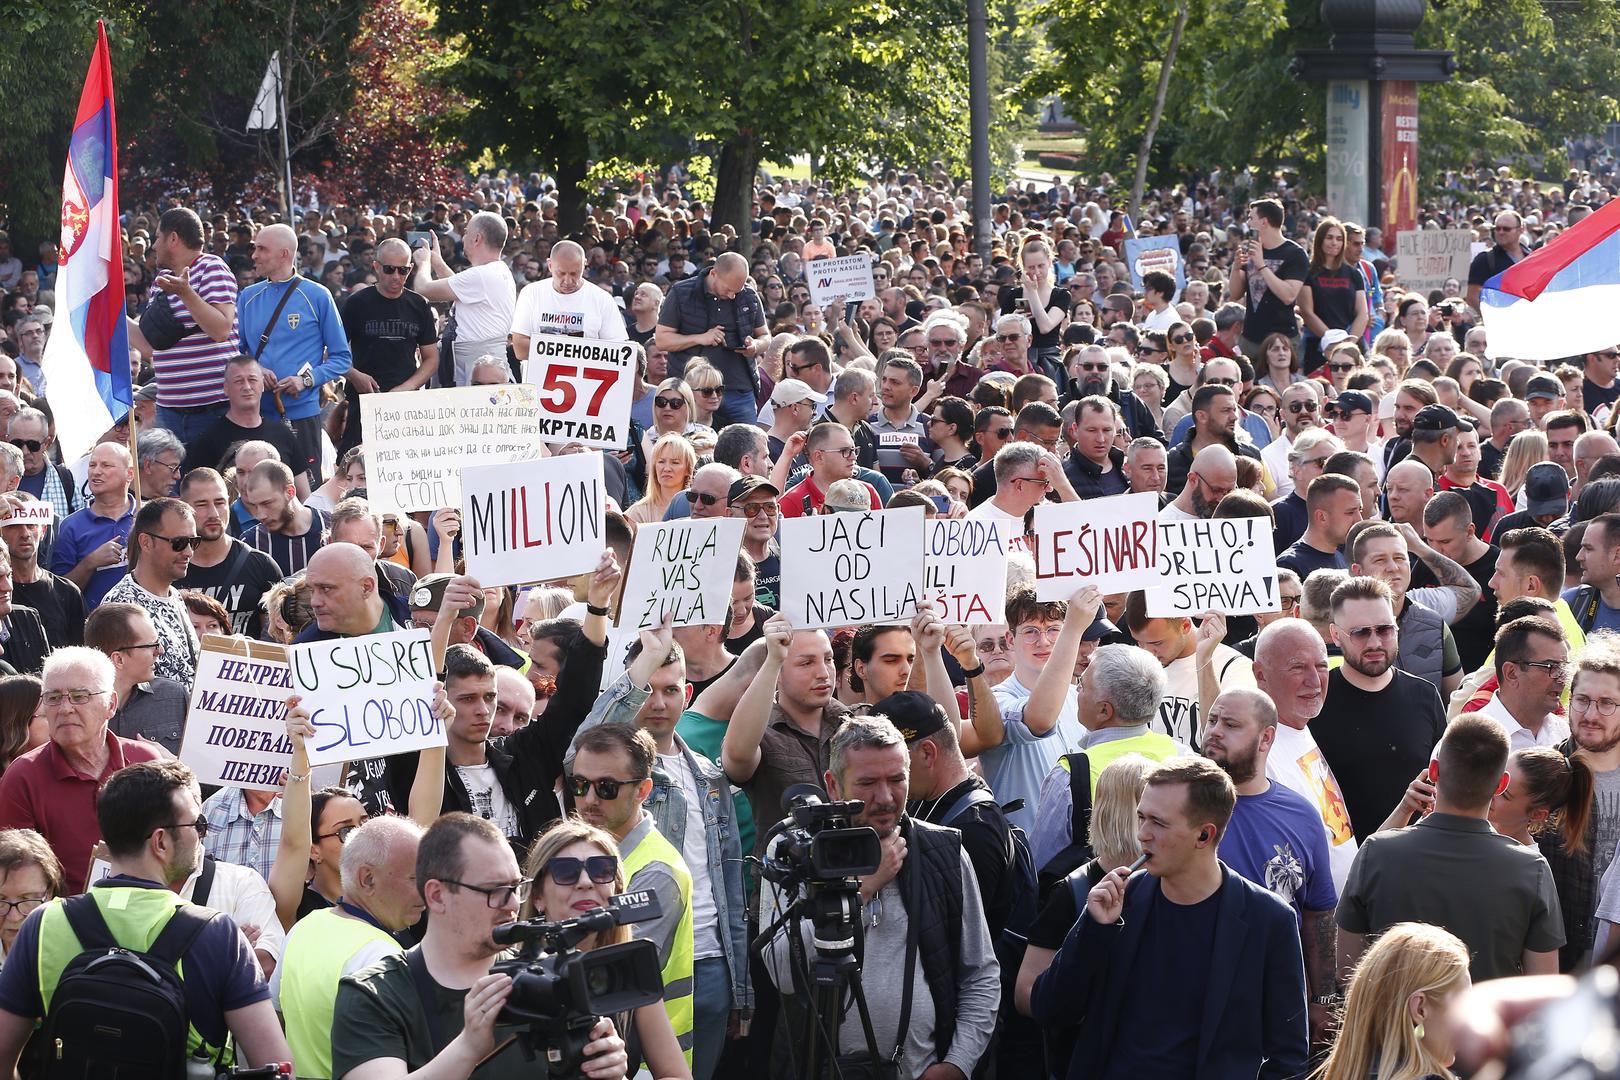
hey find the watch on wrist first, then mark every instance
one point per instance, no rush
(594, 610)
(973, 673)
(1329, 1000)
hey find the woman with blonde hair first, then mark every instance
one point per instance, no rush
(1394, 1025)
(1524, 450)
(575, 868)
(1394, 344)
(669, 470)
(708, 390)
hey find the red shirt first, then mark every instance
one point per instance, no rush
(41, 791)
(800, 500)
(1216, 349)
(1504, 501)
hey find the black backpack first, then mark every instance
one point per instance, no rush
(1078, 852)
(118, 1013)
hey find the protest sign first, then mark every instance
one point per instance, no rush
(584, 388)
(27, 513)
(236, 728)
(533, 521)
(1227, 566)
(682, 569)
(850, 568)
(839, 281)
(418, 441)
(367, 696)
(1425, 258)
(1110, 543)
(965, 569)
(1147, 253)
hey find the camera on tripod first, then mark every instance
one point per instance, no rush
(816, 842)
(560, 992)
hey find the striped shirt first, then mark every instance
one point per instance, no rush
(192, 373)
(291, 553)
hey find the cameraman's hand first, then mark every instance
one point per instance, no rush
(482, 1006)
(605, 1058)
(894, 857)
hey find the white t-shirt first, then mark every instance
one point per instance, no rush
(485, 297)
(487, 799)
(1012, 526)
(1172, 512)
(1161, 321)
(695, 850)
(1296, 762)
(588, 311)
(1178, 709)
(1274, 456)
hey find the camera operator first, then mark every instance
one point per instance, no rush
(431, 1013)
(928, 900)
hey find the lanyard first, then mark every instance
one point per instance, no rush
(363, 916)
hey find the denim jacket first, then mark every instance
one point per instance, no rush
(667, 804)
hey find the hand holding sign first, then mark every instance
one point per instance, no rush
(960, 644)
(1083, 606)
(604, 583)
(1211, 632)
(927, 629)
(655, 646)
(368, 696)
(778, 636)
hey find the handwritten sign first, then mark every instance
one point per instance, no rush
(1144, 254)
(236, 728)
(838, 281)
(1110, 543)
(1425, 258)
(26, 513)
(418, 441)
(584, 387)
(965, 569)
(533, 521)
(368, 696)
(682, 569)
(852, 568)
(1226, 566)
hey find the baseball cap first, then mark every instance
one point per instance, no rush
(1100, 628)
(1544, 386)
(428, 595)
(849, 494)
(915, 713)
(791, 392)
(745, 486)
(1546, 489)
(1435, 417)
(1354, 401)
(1333, 337)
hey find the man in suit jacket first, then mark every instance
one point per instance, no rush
(1187, 969)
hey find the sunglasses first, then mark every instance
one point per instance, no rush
(399, 270)
(702, 497)
(1341, 367)
(607, 788)
(1182, 340)
(796, 368)
(1009, 339)
(669, 403)
(1093, 367)
(178, 543)
(1365, 633)
(33, 446)
(565, 869)
(754, 510)
(1301, 406)
(707, 391)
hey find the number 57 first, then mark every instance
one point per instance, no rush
(561, 378)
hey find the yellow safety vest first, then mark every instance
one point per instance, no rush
(318, 949)
(655, 848)
(1152, 745)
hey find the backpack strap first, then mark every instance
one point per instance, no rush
(973, 796)
(205, 882)
(1076, 881)
(183, 928)
(1584, 606)
(1079, 796)
(84, 916)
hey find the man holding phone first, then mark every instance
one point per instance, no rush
(1268, 273)
(716, 314)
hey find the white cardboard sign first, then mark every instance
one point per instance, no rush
(236, 728)
(841, 280)
(1110, 543)
(27, 513)
(535, 520)
(417, 442)
(683, 569)
(584, 388)
(1227, 566)
(368, 696)
(1425, 258)
(851, 568)
(965, 569)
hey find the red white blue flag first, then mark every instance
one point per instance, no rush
(86, 361)
(1560, 300)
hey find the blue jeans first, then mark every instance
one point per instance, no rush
(711, 1011)
(737, 407)
(188, 425)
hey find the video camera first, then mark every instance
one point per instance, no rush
(816, 842)
(560, 993)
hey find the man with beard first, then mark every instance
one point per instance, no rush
(222, 566)
(565, 303)
(1378, 724)
(58, 600)
(959, 997)
(1212, 477)
(286, 530)
(1411, 397)
(1215, 418)
(1091, 375)
(1384, 551)
(1275, 837)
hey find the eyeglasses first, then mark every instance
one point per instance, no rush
(1041, 480)
(565, 869)
(757, 509)
(399, 270)
(846, 451)
(707, 391)
(1315, 462)
(1289, 601)
(1034, 635)
(33, 446)
(1556, 668)
(174, 469)
(994, 645)
(1301, 406)
(24, 906)
(796, 368)
(497, 896)
(52, 698)
(702, 497)
(1341, 367)
(201, 825)
(1330, 411)
(1181, 339)
(1265, 408)
(607, 788)
(390, 524)
(342, 833)
(669, 403)
(1601, 706)
(155, 646)
(1367, 633)
(1009, 339)
(177, 543)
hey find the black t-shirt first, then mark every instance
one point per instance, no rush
(60, 605)
(1165, 989)
(1474, 633)
(1333, 295)
(1304, 560)
(384, 334)
(700, 685)
(1490, 459)
(1264, 313)
(1375, 743)
(1594, 397)
(239, 581)
(754, 633)
(1008, 299)
(210, 448)
(1487, 264)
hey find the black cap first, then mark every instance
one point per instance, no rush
(1546, 489)
(915, 713)
(1354, 401)
(745, 486)
(1544, 386)
(1100, 628)
(1435, 417)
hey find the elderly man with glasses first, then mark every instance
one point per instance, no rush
(1301, 411)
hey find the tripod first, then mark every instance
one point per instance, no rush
(829, 980)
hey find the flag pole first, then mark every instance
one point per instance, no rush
(134, 453)
(286, 158)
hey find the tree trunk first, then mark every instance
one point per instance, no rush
(734, 190)
(571, 167)
(1146, 148)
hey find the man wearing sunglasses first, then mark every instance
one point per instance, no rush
(1301, 411)
(161, 542)
(1091, 375)
(392, 334)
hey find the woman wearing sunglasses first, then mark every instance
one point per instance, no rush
(708, 390)
(575, 869)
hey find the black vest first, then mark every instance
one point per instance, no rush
(931, 887)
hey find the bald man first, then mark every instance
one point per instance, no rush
(1213, 475)
(392, 333)
(348, 597)
(566, 304)
(1408, 487)
(293, 327)
(716, 314)
(89, 548)
(484, 294)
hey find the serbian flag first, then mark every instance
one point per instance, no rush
(1560, 300)
(86, 360)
